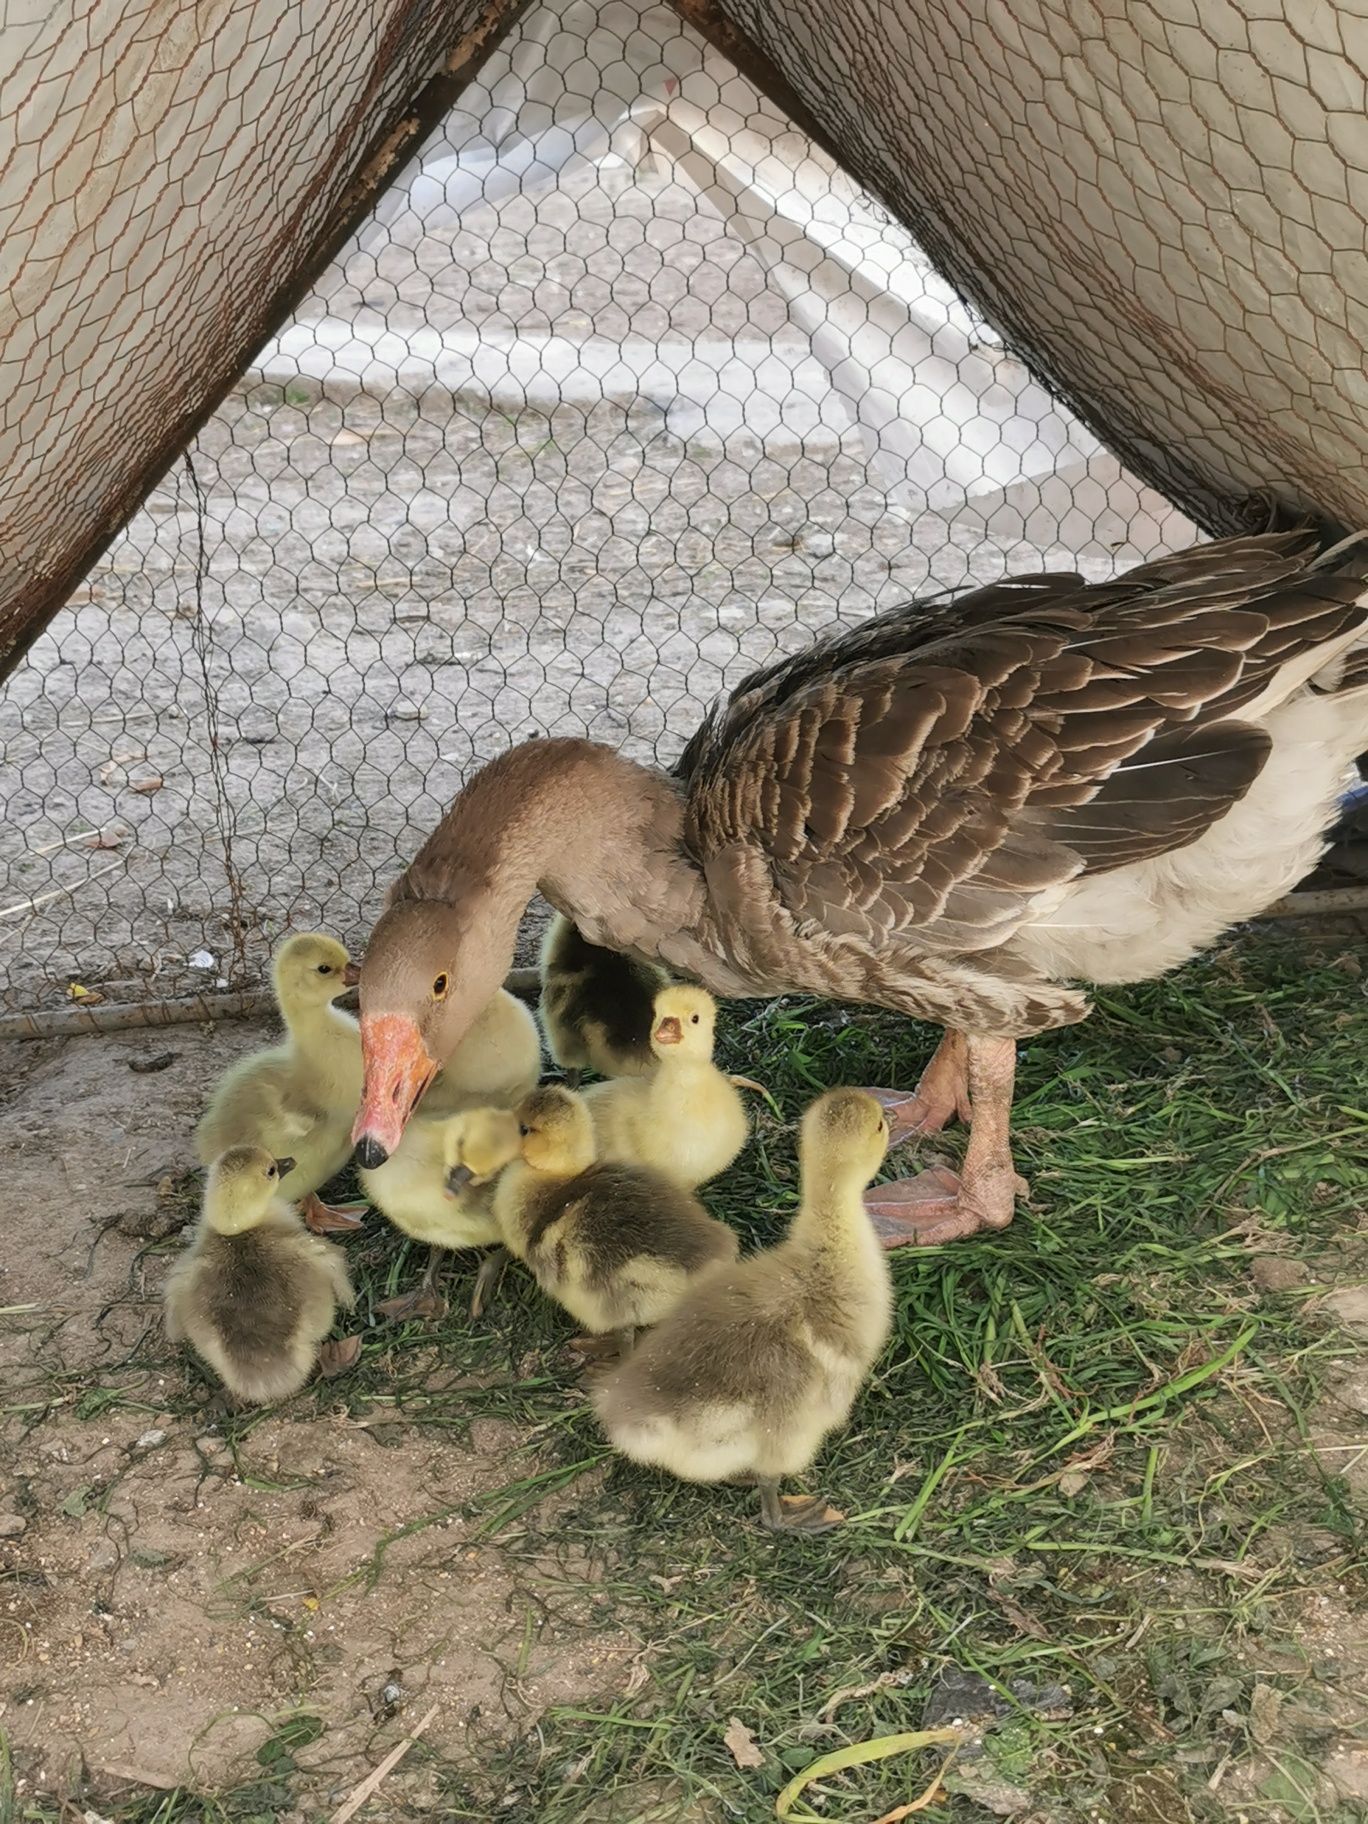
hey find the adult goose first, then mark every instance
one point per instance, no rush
(955, 811)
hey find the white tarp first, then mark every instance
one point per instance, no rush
(856, 344)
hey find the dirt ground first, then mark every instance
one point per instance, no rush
(182, 1610)
(168, 1602)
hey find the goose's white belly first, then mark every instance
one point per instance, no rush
(1137, 922)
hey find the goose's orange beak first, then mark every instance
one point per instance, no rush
(398, 1069)
(669, 1032)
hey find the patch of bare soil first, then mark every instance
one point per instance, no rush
(165, 1601)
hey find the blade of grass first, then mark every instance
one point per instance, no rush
(860, 1754)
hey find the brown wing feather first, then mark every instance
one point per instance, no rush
(936, 768)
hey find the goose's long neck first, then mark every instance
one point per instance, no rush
(599, 835)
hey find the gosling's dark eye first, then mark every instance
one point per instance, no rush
(524, 1131)
(325, 969)
(439, 987)
(270, 1171)
(693, 1021)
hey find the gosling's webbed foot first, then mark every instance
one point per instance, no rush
(796, 1513)
(939, 1206)
(331, 1218)
(336, 1356)
(424, 1301)
(602, 1351)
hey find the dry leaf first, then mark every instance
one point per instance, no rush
(148, 786)
(1076, 1472)
(106, 839)
(1265, 1709)
(934, 1793)
(89, 997)
(742, 1744)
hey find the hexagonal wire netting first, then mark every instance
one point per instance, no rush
(623, 389)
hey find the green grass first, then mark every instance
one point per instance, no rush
(1079, 1475)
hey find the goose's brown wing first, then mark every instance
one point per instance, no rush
(895, 633)
(908, 776)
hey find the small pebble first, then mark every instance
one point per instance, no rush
(104, 1555)
(1271, 1273)
(12, 1525)
(150, 1440)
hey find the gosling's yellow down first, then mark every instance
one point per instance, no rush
(299, 1097)
(438, 1187)
(616, 1245)
(255, 1293)
(762, 1359)
(685, 1120)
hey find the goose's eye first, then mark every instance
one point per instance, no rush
(693, 1019)
(440, 986)
(270, 1171)
(325, 968)
(524, 1131)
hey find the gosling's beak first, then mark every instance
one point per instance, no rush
(398, 1069)
(284, 1167)
(351, 974)
(668, 1032)
(459, 1178)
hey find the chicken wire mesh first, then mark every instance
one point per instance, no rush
(623, 389)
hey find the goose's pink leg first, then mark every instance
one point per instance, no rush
(941, 1095)
(941, 1205)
